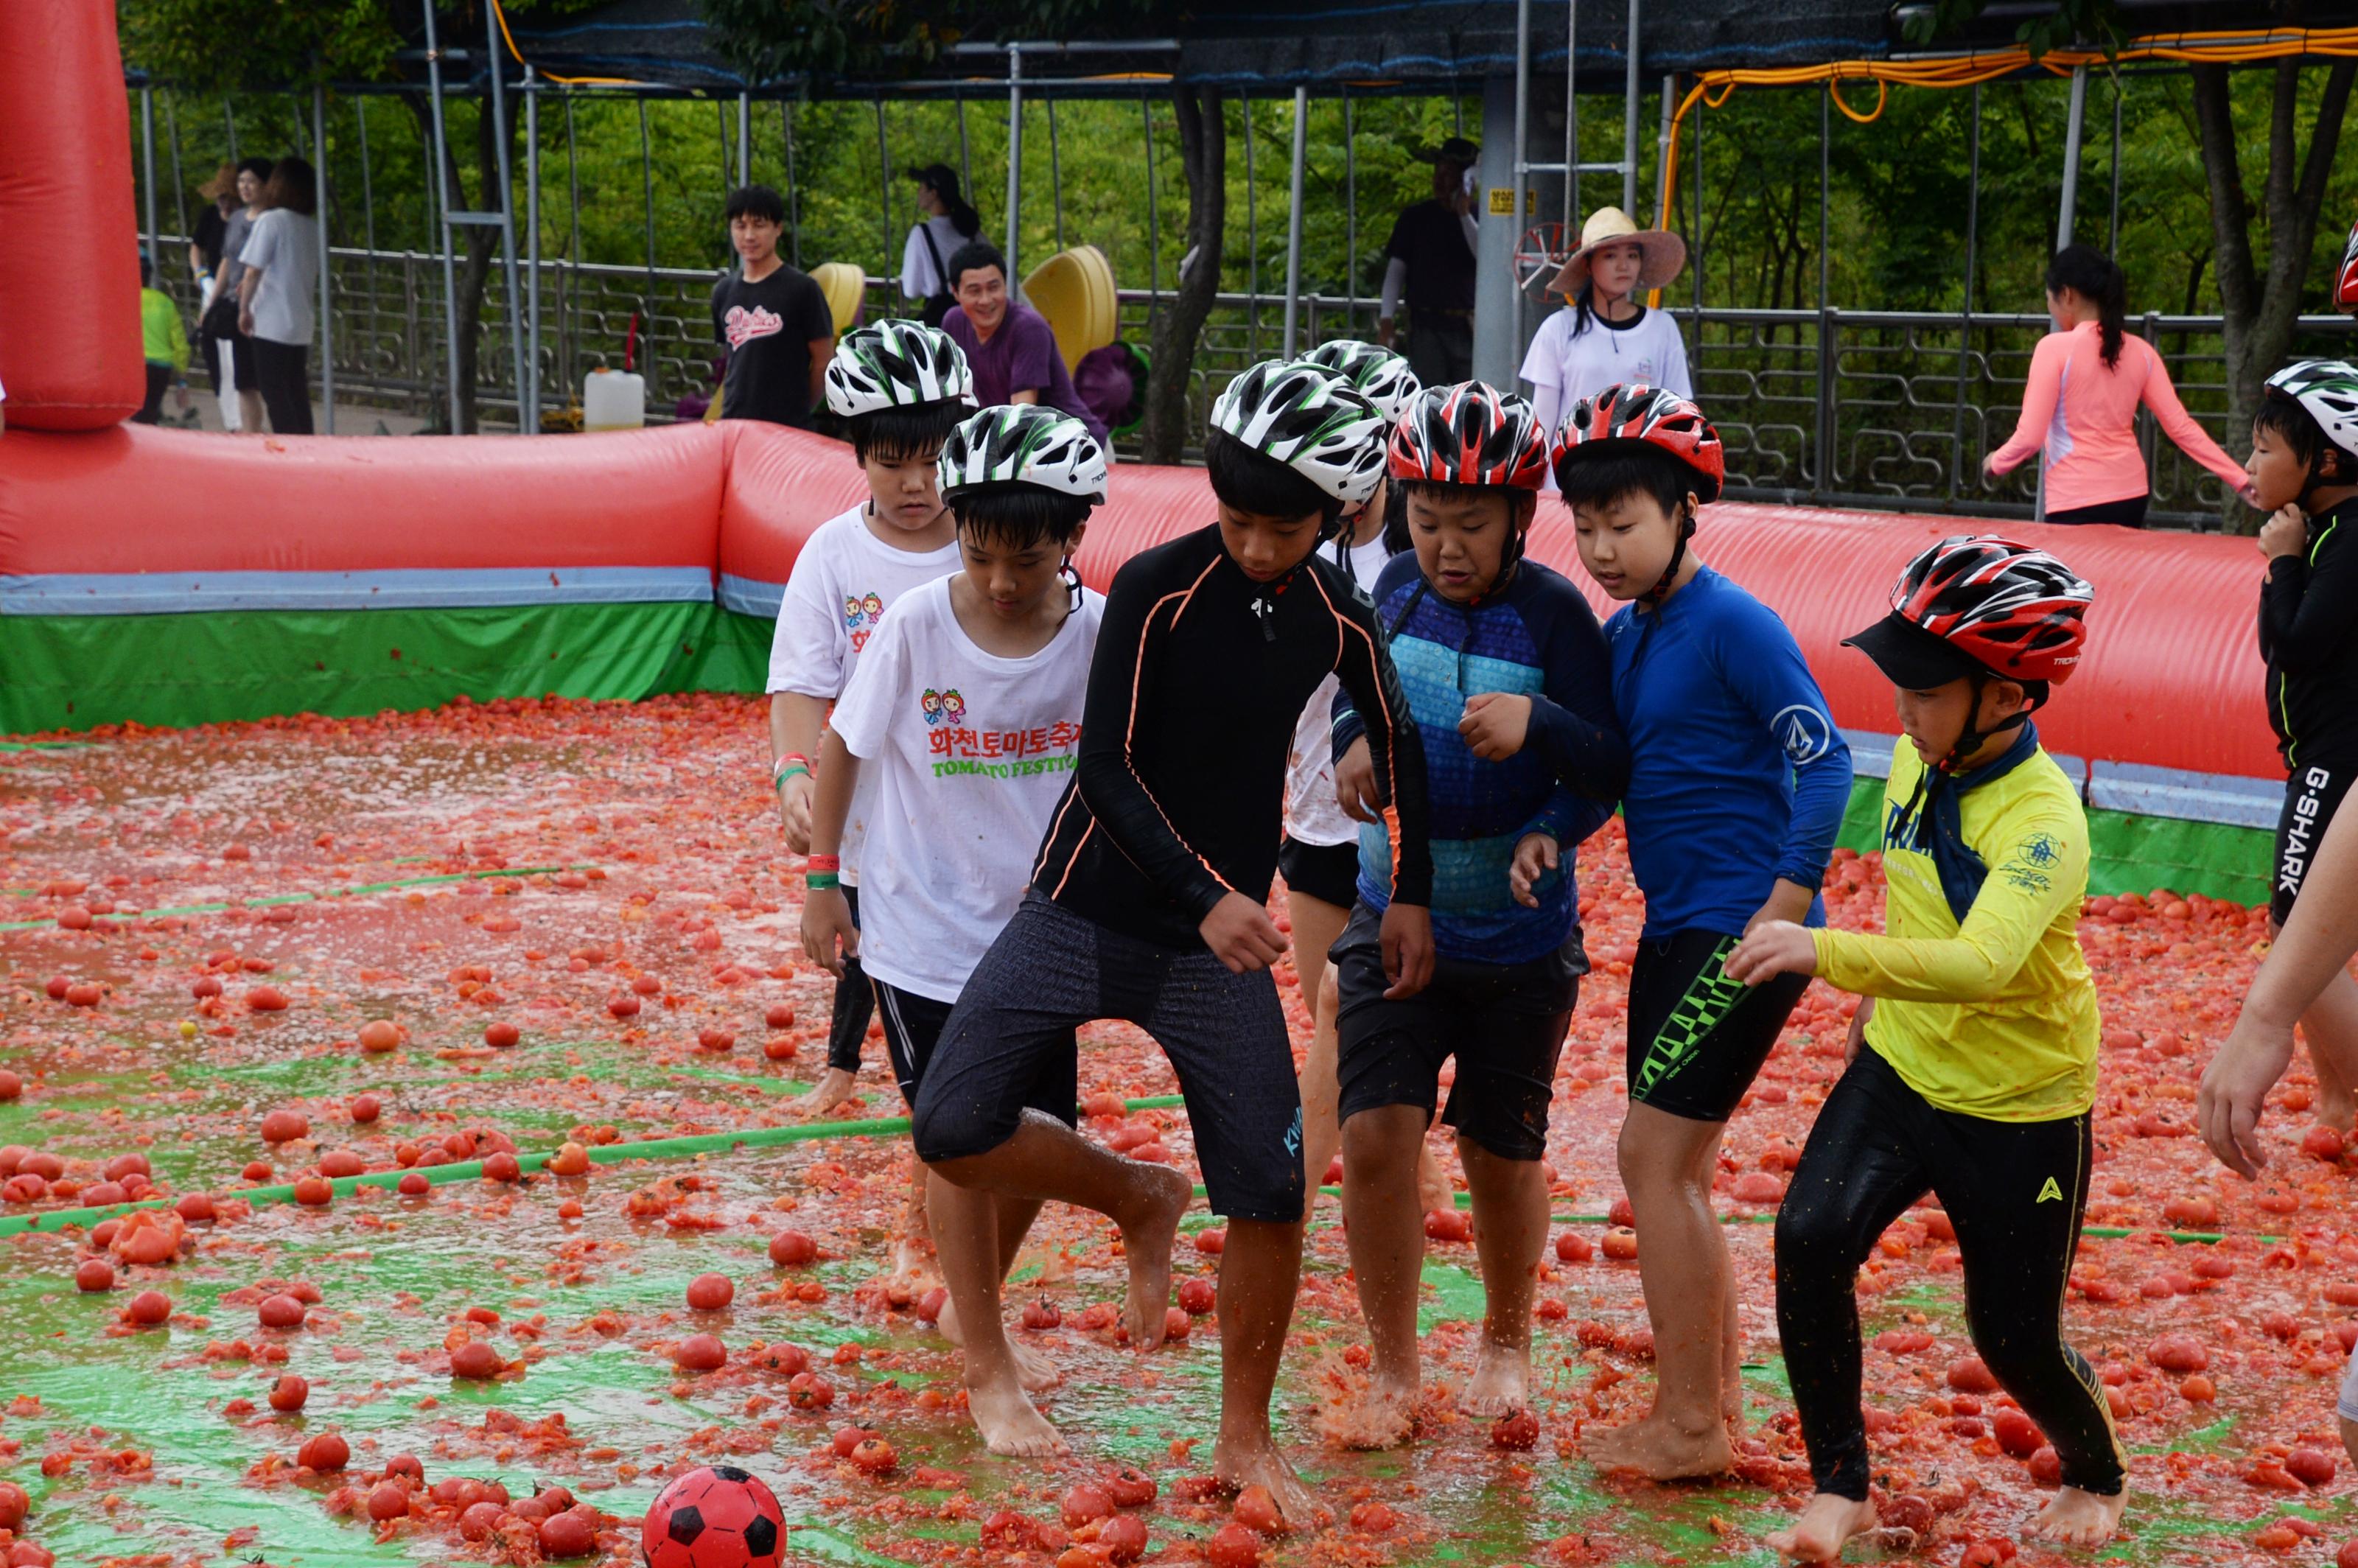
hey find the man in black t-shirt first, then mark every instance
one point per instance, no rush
(771, 318)
(1430, 262)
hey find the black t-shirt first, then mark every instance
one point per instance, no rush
(1198, 680)
(210, 229)
(1431, 240)
(768, 329)
(2308, 635)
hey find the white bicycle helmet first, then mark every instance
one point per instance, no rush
(896, 364)
(2329, 390)
(1375, 373)
(1312, 420)
(1023, 443)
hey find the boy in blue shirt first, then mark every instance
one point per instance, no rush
(1737, 784)
(1507, 678)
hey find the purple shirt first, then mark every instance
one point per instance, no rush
(1020, 356)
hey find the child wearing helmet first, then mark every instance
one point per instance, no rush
(903, 387)
(966, 710)
(2304, 468)
(1973, 1058)
(1148, 902)
(1319, 859)
(1738, 781)
(1510, 685)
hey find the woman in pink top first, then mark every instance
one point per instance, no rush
(2087, 378)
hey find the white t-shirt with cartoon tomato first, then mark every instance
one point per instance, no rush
(843, 581)
(1312, 813)
(969, 753)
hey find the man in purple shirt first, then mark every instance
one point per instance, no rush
(1010, 347)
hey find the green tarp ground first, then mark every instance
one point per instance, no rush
(76, 672)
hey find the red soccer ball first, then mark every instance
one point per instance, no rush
(717, 1516)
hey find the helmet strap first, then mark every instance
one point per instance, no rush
(1072, 585)
(1661, 588)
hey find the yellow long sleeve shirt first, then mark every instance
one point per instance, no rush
(1992, 1014)
(162, 331)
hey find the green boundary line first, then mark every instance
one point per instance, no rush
(50, 922)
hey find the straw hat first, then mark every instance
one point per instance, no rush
(1665, 253)
(222, 183)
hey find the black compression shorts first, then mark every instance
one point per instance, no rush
(1696, 1037)
(2311, 797)
(912, 1027)
(855, 1003)
(1329, 872)
(1504, 1023)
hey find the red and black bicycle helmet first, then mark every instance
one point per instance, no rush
(1470, 434)
(1633, 418)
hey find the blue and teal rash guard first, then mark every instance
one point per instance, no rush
(1535, 638)
(1737, 776)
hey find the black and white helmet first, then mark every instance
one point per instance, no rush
(1023, 443)
(896, 364)
(2329, 390)
(1312, 420)
(1375, 373)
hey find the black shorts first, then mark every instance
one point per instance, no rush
(2311, 797)
(854, 1006)
(1696, 1037)
(1329, 872)
(1051, 970)
(913, 1025)
(2127, 512)
(1504, 1023)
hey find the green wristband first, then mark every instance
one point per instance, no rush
(778, 780)
(821, 882)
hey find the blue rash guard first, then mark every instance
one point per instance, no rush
(1738, 775)
(1537, 638)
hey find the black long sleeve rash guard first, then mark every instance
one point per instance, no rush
(1200, 673)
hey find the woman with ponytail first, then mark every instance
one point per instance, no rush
(2087, 379)
(946, 224)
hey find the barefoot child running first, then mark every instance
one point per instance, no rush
(1320, 857)
(1147, 904)
(1510, 685)
(903, 386)
(2304, 469)
(1974, 1062)
(1737, 784)
(959, 805)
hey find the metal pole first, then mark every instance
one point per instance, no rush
(1825, 475)
(327, 255)
(1351, 212)
(147, 163)
(1965, 316)
(530, 419)
(1522, 132)
(1662, 153)
(1055, 174)
(647, 179)
(368, 183)
(442, 205)
(720, 112)
(568, 335)
(885, 185)
(1826, 176)
(1252, 235)
(1694, 359)
(2113, 234)
(1153, 222)
(179, 186)
(1014, 151)
(496, 64)
(1571, 123)
(1629, 116)
(1294, 220)
(794, 188)
(965, 155)
(744, 138)
(2069, 212)
(229, 122)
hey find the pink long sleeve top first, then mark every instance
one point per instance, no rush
(2084, 415)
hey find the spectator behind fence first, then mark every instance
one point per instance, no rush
(773, 318)
(205, 255)
(275, 292)
(2087, 378)
(1429, 263)
(1009, 346)
(948, 224)
(166, 339)
(1603, 337)
(229, 348)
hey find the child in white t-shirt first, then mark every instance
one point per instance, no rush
(961, 728)
(903, 387)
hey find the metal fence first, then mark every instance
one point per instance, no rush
(1876, 408)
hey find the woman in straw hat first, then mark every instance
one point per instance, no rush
(1604, 337)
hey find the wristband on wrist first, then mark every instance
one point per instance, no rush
(824, 863)
(820, 881)
(778, 780)
(791, 760)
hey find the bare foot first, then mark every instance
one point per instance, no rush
(2075, 1518)
(2335, 1108)
(1033, 1369)
(910, 1261)
(1501, 1383)
(1433, 1188)
(1819, 1535)
(1147, 1238)
(1004, 1415)
(1661, 1451)
(1383, 1417)
(834, 1087)
(1256, 1462)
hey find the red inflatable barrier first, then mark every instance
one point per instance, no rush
(779, 484)
(69, 349)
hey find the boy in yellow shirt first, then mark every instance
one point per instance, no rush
(1973, 1064)
(165, 340)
